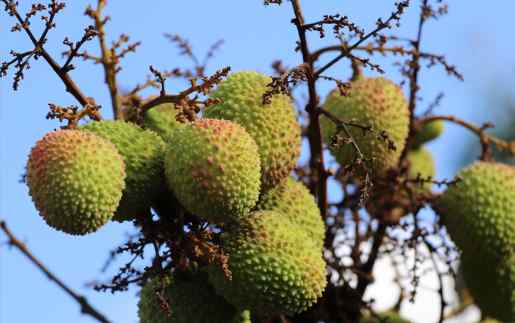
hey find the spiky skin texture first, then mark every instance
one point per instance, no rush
(479, 210)
(162, 120)
(387, 317)
(491, 283)
(430, 131)
(142, 152)
(76, 180)
(421, 165)
(374, 102)
(190, 300)
(479, 214)
(273, 126)
(213, 168)
(275, 267)
(293, 200)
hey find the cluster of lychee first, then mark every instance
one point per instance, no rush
(478, 211)
(231, 167)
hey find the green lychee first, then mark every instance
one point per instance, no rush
(479, 214)
(422, 166)
(430, 131)
(491, 283)
(294, 201)
(76, 180)
(213, 168)
(273, 126)
(275, 266)
(479, 210)
(373, 102)
(143, 153)
(185, 298)
(162, 119)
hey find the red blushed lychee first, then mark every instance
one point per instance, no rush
(76, 180)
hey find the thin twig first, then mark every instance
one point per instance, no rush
(443, 303)
(318, 187)
(108, 58)
(86, 308)
(70, 85)
(380, 25)
(485, 139)
(202, 88)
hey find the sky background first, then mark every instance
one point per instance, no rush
(475, 36)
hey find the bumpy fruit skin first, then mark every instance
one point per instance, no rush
(387, 317)
(294, 201)
(143, 153)
(375, 102)
(162, 120)
(421, 163)
(491, 283)
(213, 168)
(76, 180)
(479, 214)
(190, 299)
(479, 211)
(275, 267)
(430, 131)
(273, 126)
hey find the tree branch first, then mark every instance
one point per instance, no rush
(39, 49)
(380, 25)
(485, 139)
(318, 187)
(108, 57)
(86, 308)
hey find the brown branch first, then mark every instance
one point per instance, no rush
(89, 34)
(485, 139)
(202, 88)
(72, 114)
(368, 266)
(443, 303)
(319, 187)
(71, 86)
(86, 308)
(108, 58)
(380, 25)
(395, 50)
(415, 67)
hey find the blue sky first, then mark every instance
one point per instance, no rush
(474, 37)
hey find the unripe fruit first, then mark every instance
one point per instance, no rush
(422, 166)
(213, 168)
(374, 102)
(274, 265)
(76, 180)
(273, 126)
(479, 210)
(143, 152)
(479, 214)
(430, 131)
(189, 298)
(491, 283)
(162, 120)
(293, 200)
